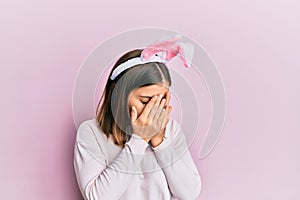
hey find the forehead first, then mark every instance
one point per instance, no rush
(151, 90)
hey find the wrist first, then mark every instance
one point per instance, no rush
(156, 142)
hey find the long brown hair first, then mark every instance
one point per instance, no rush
(113, 116)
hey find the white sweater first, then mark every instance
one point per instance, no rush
(136, 172)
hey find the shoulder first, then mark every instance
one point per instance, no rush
(88, 130)
(89, 139)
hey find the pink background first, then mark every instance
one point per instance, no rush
(255, 45)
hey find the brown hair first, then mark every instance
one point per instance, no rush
(113, 116)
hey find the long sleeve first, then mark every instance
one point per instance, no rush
(179, 168)
(98, 180)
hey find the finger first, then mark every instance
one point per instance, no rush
(168, 97)
(159, 110)
(162, 118)
(133, 114)
(148, 108)
(153, 111)
(160, 107)
(167, 118)
(158, 100)
(169, 109)
(155, 107)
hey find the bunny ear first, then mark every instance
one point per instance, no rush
(165, 48)
(161, 51)
(169, 47)
(186, 51)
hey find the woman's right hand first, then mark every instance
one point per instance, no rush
(152, 120)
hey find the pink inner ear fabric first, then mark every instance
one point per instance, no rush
(168, 49)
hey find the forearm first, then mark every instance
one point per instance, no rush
(184, 181)
(179, 168)
(98, 181)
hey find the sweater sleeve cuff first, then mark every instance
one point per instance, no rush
(136, 144)
(166, 154)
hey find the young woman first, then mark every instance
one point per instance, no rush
(132, 149)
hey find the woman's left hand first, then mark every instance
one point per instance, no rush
(158, 138)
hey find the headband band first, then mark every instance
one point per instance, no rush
(132, 62)
(161, 51)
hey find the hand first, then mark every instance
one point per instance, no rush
(152, 120)
(158, 138)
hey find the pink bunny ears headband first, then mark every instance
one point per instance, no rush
(162, 51)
